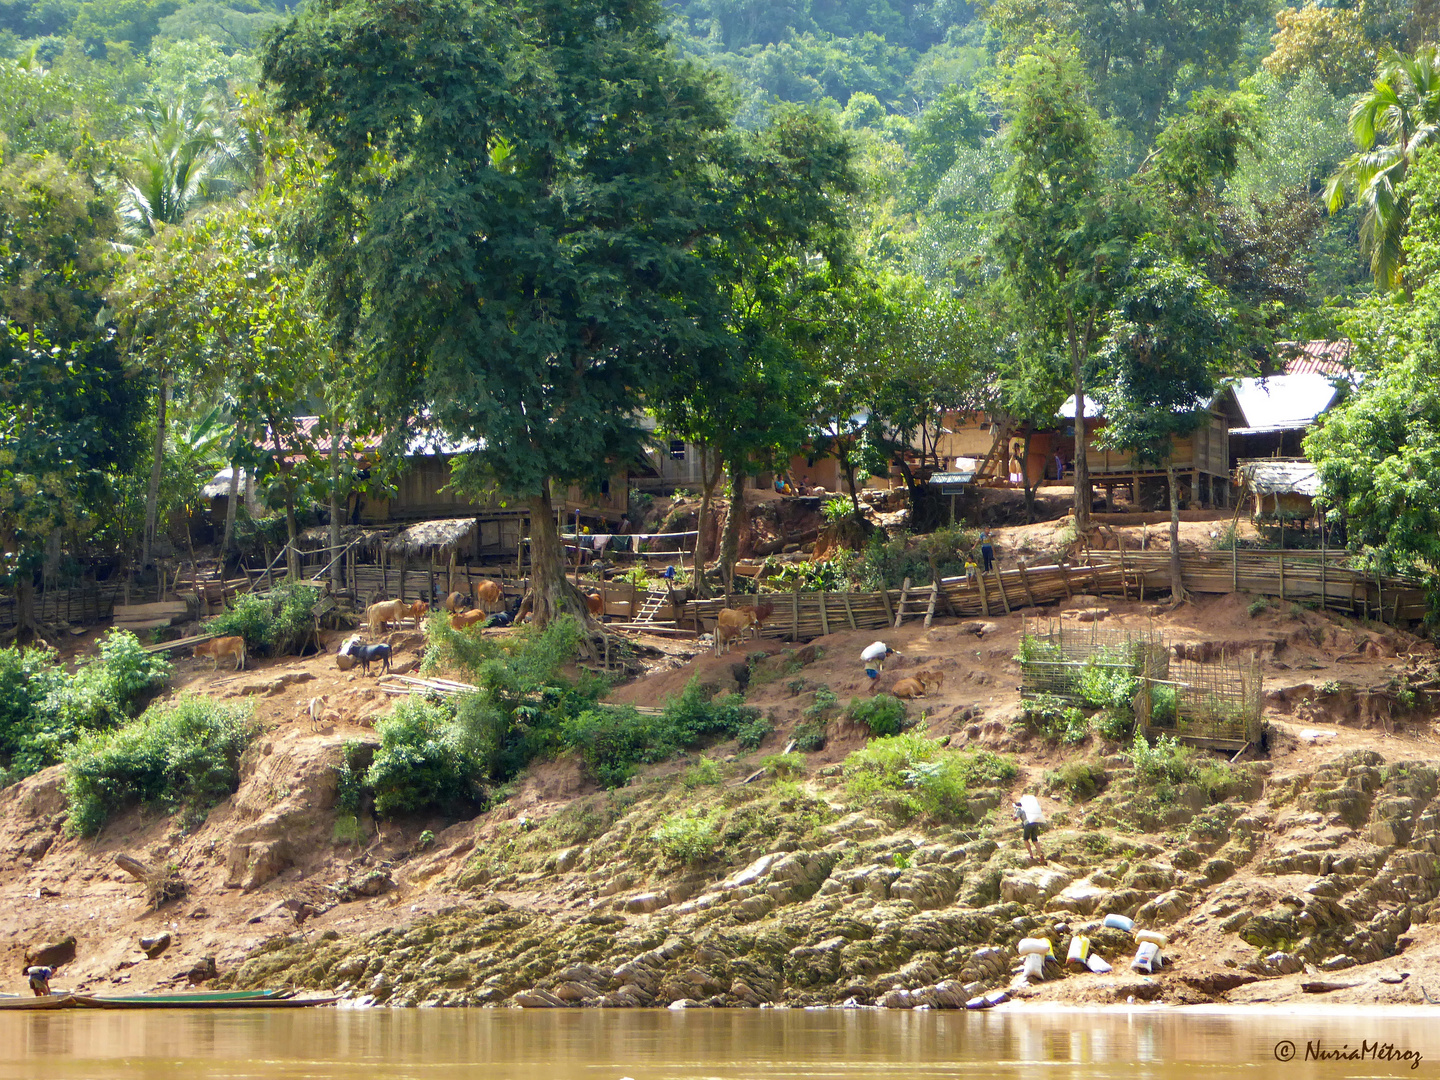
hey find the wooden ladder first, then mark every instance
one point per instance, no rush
(648, 610)
(911, 599)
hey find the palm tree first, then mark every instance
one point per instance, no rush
(174, 169)
(1403, 106)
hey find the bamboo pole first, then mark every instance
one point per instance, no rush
(824, 618)
(1025, 582)
(984, 598)
(1004, 599)
(849, 611)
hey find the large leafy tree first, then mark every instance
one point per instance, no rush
(1398, 117)
(68, 407)
(534, 188)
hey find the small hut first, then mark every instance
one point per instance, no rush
(1284, 488)
(425, 557)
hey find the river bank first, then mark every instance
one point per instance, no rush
(1315, 863)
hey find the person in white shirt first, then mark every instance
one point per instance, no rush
(1028, 812)
(874, 656)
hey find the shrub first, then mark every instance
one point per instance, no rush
(822, 706)
(1104, 687)
(43, 710)
(836, 509)
(920, 777)
(1166, 760)
(883, 715)
(1116, 727)
(751, 733)
(784, 766)
(421, 764)
(687, 838)
(275, 624)
(1080, 779)
(185, 755)
(1258, 606)
(809, 736)
(704, 773)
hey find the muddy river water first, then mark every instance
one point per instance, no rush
(717, 1045)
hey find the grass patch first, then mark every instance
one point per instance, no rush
(915, 776)
(1080, 780)
(688, 838)
(276, 624)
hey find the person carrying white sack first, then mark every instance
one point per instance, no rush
(873, 657)
(1031, 817)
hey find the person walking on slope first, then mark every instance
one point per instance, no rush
(1031, 817)
(874, 658)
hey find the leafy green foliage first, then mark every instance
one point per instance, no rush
(1165, 760)
(185, 755)
(274, 624)
(1081, 780)
(688, 838)
(882, 715)
(422, 763)
(1105, 687)
(704, 773)
(809, 735)
(919, 778)
(784, 766)
(44, 709)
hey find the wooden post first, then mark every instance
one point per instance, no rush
(384, 572)
(1323, 560)
(430, 581)
(795, 612)
(1282, 570)
(404, 565)
(904, 597)
(889, 611)
(849, 612)
(1025, 581)
(1065, 577)
(824, 616)
(984, 596)
(1124, 586)
(1004, 597)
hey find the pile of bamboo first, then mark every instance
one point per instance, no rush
(408, 684)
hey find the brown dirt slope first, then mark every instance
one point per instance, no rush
(1314, 864)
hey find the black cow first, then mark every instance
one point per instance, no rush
(366, 653)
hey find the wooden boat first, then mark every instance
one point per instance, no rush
(243, 999)
(48, 1001)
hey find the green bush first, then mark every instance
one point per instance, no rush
(883, 714)
(185, 755)
(823, 706)
(1258, 606)
(1117, 727)
(1080, 779)
(704, 773)
(275, 624)
(43, 709)
(1105, 687)
(917, 776)
(885, 564)
(809, 735)
(1166, 760)
(751, 733)
(687, 838)
(784, 766)
(421, 764)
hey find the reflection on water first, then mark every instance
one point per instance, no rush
(509, 1044)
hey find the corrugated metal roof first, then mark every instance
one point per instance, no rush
(1283, 402)
(1281, 476)
(1316, 357)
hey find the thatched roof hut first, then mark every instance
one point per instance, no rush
(439, 540)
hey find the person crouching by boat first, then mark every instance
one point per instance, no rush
(39, 980)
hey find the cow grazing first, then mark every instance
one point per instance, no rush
(762, 612)
(461, 620)
(368, 654)
(487, 594)
(730, 624)
(222, 648)
(379, 616)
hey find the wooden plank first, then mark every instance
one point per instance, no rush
(824, 618)
(1004, 597)
(849, 611)
(1025, 582)
(889, 611)
(904, 596)
(984, 598)
(934, 597)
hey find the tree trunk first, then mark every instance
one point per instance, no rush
(848, 467)
(1177, 584)
(551, 594)
(152, 496)
(1025, 474)
(1082, 463)
(230, 511)
(26, 627)
(337, 570)
(730, 538)
(292, 557)
(709, 480)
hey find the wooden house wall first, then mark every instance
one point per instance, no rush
(1206, 450)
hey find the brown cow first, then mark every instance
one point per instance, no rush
(919, 684)
(417, 611)
(730, 624)
(596, 604)
(487, 594)
(379, 615)
(456, 602)
(762, 612)
(460, 620)
(222, 648)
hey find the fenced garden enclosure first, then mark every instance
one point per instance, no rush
(1215, 705)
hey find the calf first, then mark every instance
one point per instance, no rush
(761, 613)
(366, 653)
(596, 605)
(461, 620)
(730, 624)
(380, 615)
(221, 648)
(418, 610)
(487, 594)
